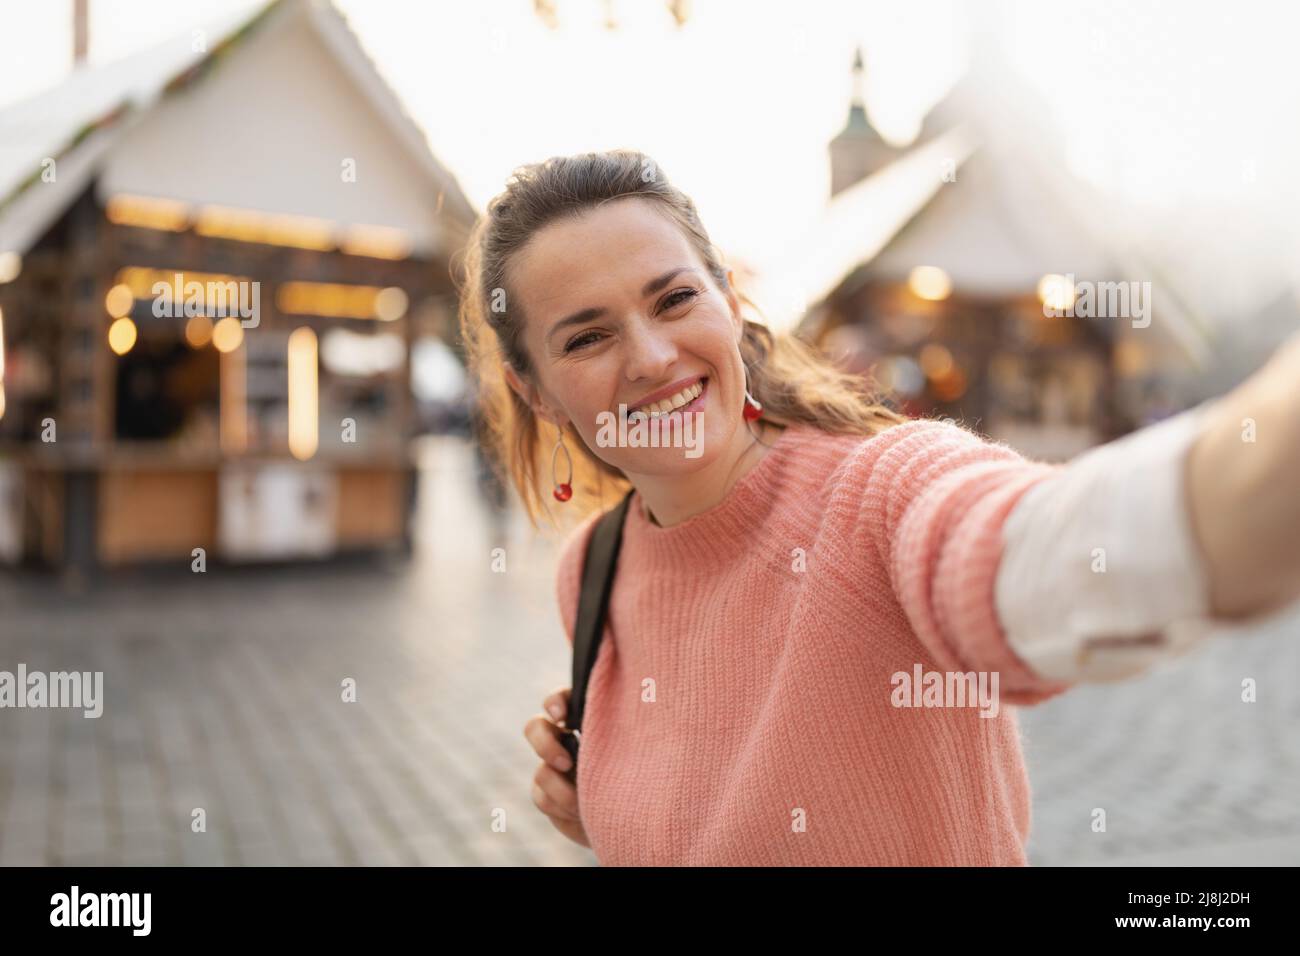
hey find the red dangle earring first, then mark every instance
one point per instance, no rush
(563, 490)
(753, 407)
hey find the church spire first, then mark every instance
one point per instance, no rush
(858, 150)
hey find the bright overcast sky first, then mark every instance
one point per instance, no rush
(1163, 102)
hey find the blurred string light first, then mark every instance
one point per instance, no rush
(244, 225)
(255, 226)
(11, 263)
(304, 430)
(337, 301)
(1056, 292)
(233, 402)
(376, 242)
(198, 331)
(148, 212)
(140, 282)
(390, 304)
(930, 283)
(936, 361)
(121, 336)
(119, 301)
(947, 380)
(327, 299)
(227, 334)
(950, 386)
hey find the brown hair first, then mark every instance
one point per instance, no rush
(793, 381)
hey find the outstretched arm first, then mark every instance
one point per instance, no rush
(1055, 574)
(1243, 485)
(1135, 549)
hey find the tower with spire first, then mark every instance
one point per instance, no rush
(858, 150)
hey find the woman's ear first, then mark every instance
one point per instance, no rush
(517, 384)
(527, 393)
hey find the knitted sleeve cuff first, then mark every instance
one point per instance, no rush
(1101, 576)
(965, 612)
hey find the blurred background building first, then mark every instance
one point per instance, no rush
(934, 265)
(265, 175)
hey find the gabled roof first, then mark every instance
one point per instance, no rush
(855, 226)
(77, 122)
(1013, 214)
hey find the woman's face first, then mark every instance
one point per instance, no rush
(619, 308)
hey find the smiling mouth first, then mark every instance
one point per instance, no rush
(688, 399)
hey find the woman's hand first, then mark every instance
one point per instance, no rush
(553, 792)
(1243, 491)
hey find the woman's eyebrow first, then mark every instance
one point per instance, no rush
(587, 315)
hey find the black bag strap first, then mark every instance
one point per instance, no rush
(593, 606)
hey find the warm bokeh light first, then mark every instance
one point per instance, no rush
(377, 242)
(141, 281)
(119, 301)
(247, 225)
(1130, 359)
(304, 432)
(930, 282)
(121, 336)
(936, 360)
(198, 331)
(391, 304)
(1056, 292)
(227, 334)
(148, 212)
(233, 407)
(950, 387)
(11, 264)
(337, 301)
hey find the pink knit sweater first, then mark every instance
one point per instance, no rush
(739, 711)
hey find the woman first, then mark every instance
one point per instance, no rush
(793, 602)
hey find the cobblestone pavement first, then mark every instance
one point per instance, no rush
(223, 692)
(1187, 773)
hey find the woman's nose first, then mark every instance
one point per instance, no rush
(650, 353)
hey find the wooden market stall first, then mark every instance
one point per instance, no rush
(213, 265)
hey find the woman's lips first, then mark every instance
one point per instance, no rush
(697, 405)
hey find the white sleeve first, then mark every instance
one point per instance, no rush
(1100, 575)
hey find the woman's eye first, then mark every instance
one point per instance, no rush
(581, 341)
(585, 339)
(673, 299)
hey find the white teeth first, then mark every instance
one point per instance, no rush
(664, 406)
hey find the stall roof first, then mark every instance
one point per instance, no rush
(82, 121)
